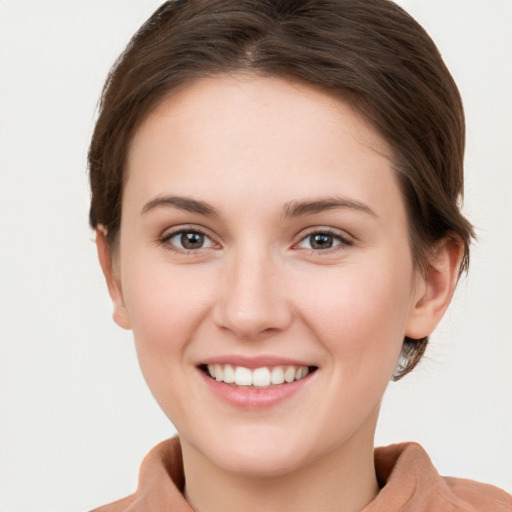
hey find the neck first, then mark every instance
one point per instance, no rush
(343, 480)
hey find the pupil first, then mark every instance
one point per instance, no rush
(321, 241)
(192, 240)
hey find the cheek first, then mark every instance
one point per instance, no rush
(167, 308)
(165, 305)
(359, 315)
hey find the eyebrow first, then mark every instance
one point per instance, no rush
(182, 203)
(291, 210)
(308, 207)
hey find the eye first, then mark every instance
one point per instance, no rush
(323, 240)
(188, 240)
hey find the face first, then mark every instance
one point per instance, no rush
(264, 241)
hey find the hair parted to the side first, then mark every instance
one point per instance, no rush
(370, 51)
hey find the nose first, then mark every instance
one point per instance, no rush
(253, 302)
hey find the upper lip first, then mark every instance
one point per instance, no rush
(254, 362)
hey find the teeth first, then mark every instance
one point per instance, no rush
(218, 372)
(301, 372)
(243, 376)
(261, 377)
(229, 374)
(289, 374)
(258, 377)
(277, 375)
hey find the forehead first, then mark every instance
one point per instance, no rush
(262, 135)
(261, 103)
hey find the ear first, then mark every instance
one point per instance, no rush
(120, 314)
(435, 289)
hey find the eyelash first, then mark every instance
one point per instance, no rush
(164, 240)
(344, 241)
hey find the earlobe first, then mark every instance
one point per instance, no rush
(436, 289)
(119, 314)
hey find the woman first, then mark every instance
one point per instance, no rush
(275, 192)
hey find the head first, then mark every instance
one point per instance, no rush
(367, 57)
(369, 52)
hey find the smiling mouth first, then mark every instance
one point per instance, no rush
(256, 378)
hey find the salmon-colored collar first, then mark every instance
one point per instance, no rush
(408, 479)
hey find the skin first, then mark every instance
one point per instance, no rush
(250, 147)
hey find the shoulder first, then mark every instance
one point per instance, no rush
(480, 496)
(408, 478)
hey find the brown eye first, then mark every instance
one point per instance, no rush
(323, 240)
(188, 240)
(192, 240)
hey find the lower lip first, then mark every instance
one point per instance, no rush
(253, 398)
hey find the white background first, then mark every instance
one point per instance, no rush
(76, 418)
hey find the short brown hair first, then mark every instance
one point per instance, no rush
(370, 51)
